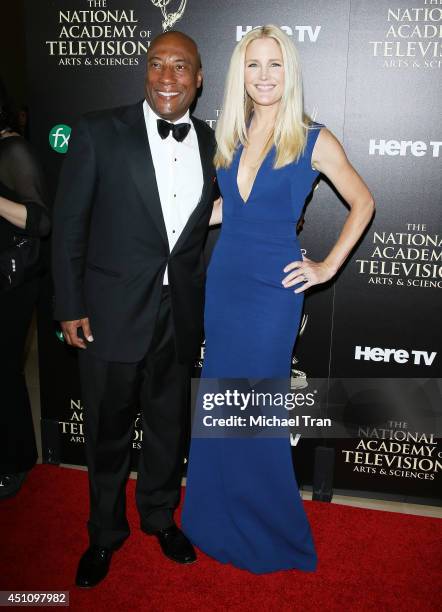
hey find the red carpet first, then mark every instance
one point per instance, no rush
(368, 560)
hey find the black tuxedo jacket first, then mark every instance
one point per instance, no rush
(110, 246)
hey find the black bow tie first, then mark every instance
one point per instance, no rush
(179, 130)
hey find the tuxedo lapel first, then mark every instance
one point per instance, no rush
(132, 129)
(206, 151)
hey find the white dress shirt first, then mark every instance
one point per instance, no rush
(178, 173)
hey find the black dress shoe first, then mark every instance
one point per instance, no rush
(10, 484)
(175, 545)
(93, 566)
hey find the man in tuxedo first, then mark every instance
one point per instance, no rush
(131, 215)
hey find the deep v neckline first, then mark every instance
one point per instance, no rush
(241, 150)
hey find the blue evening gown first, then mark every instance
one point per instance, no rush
(242, 504)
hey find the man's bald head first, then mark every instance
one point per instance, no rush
(176, 35)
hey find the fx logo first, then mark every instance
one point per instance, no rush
(59, 138)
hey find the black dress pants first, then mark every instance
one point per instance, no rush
(113, 392)
(18, 451)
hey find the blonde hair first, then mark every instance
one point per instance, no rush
(290, 131)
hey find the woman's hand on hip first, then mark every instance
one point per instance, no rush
(308, 272)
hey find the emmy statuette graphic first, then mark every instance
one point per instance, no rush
(169, 19)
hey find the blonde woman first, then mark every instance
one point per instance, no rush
(242, 503)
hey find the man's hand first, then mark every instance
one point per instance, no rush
(69, 329)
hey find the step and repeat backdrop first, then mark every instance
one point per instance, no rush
(372, 75)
